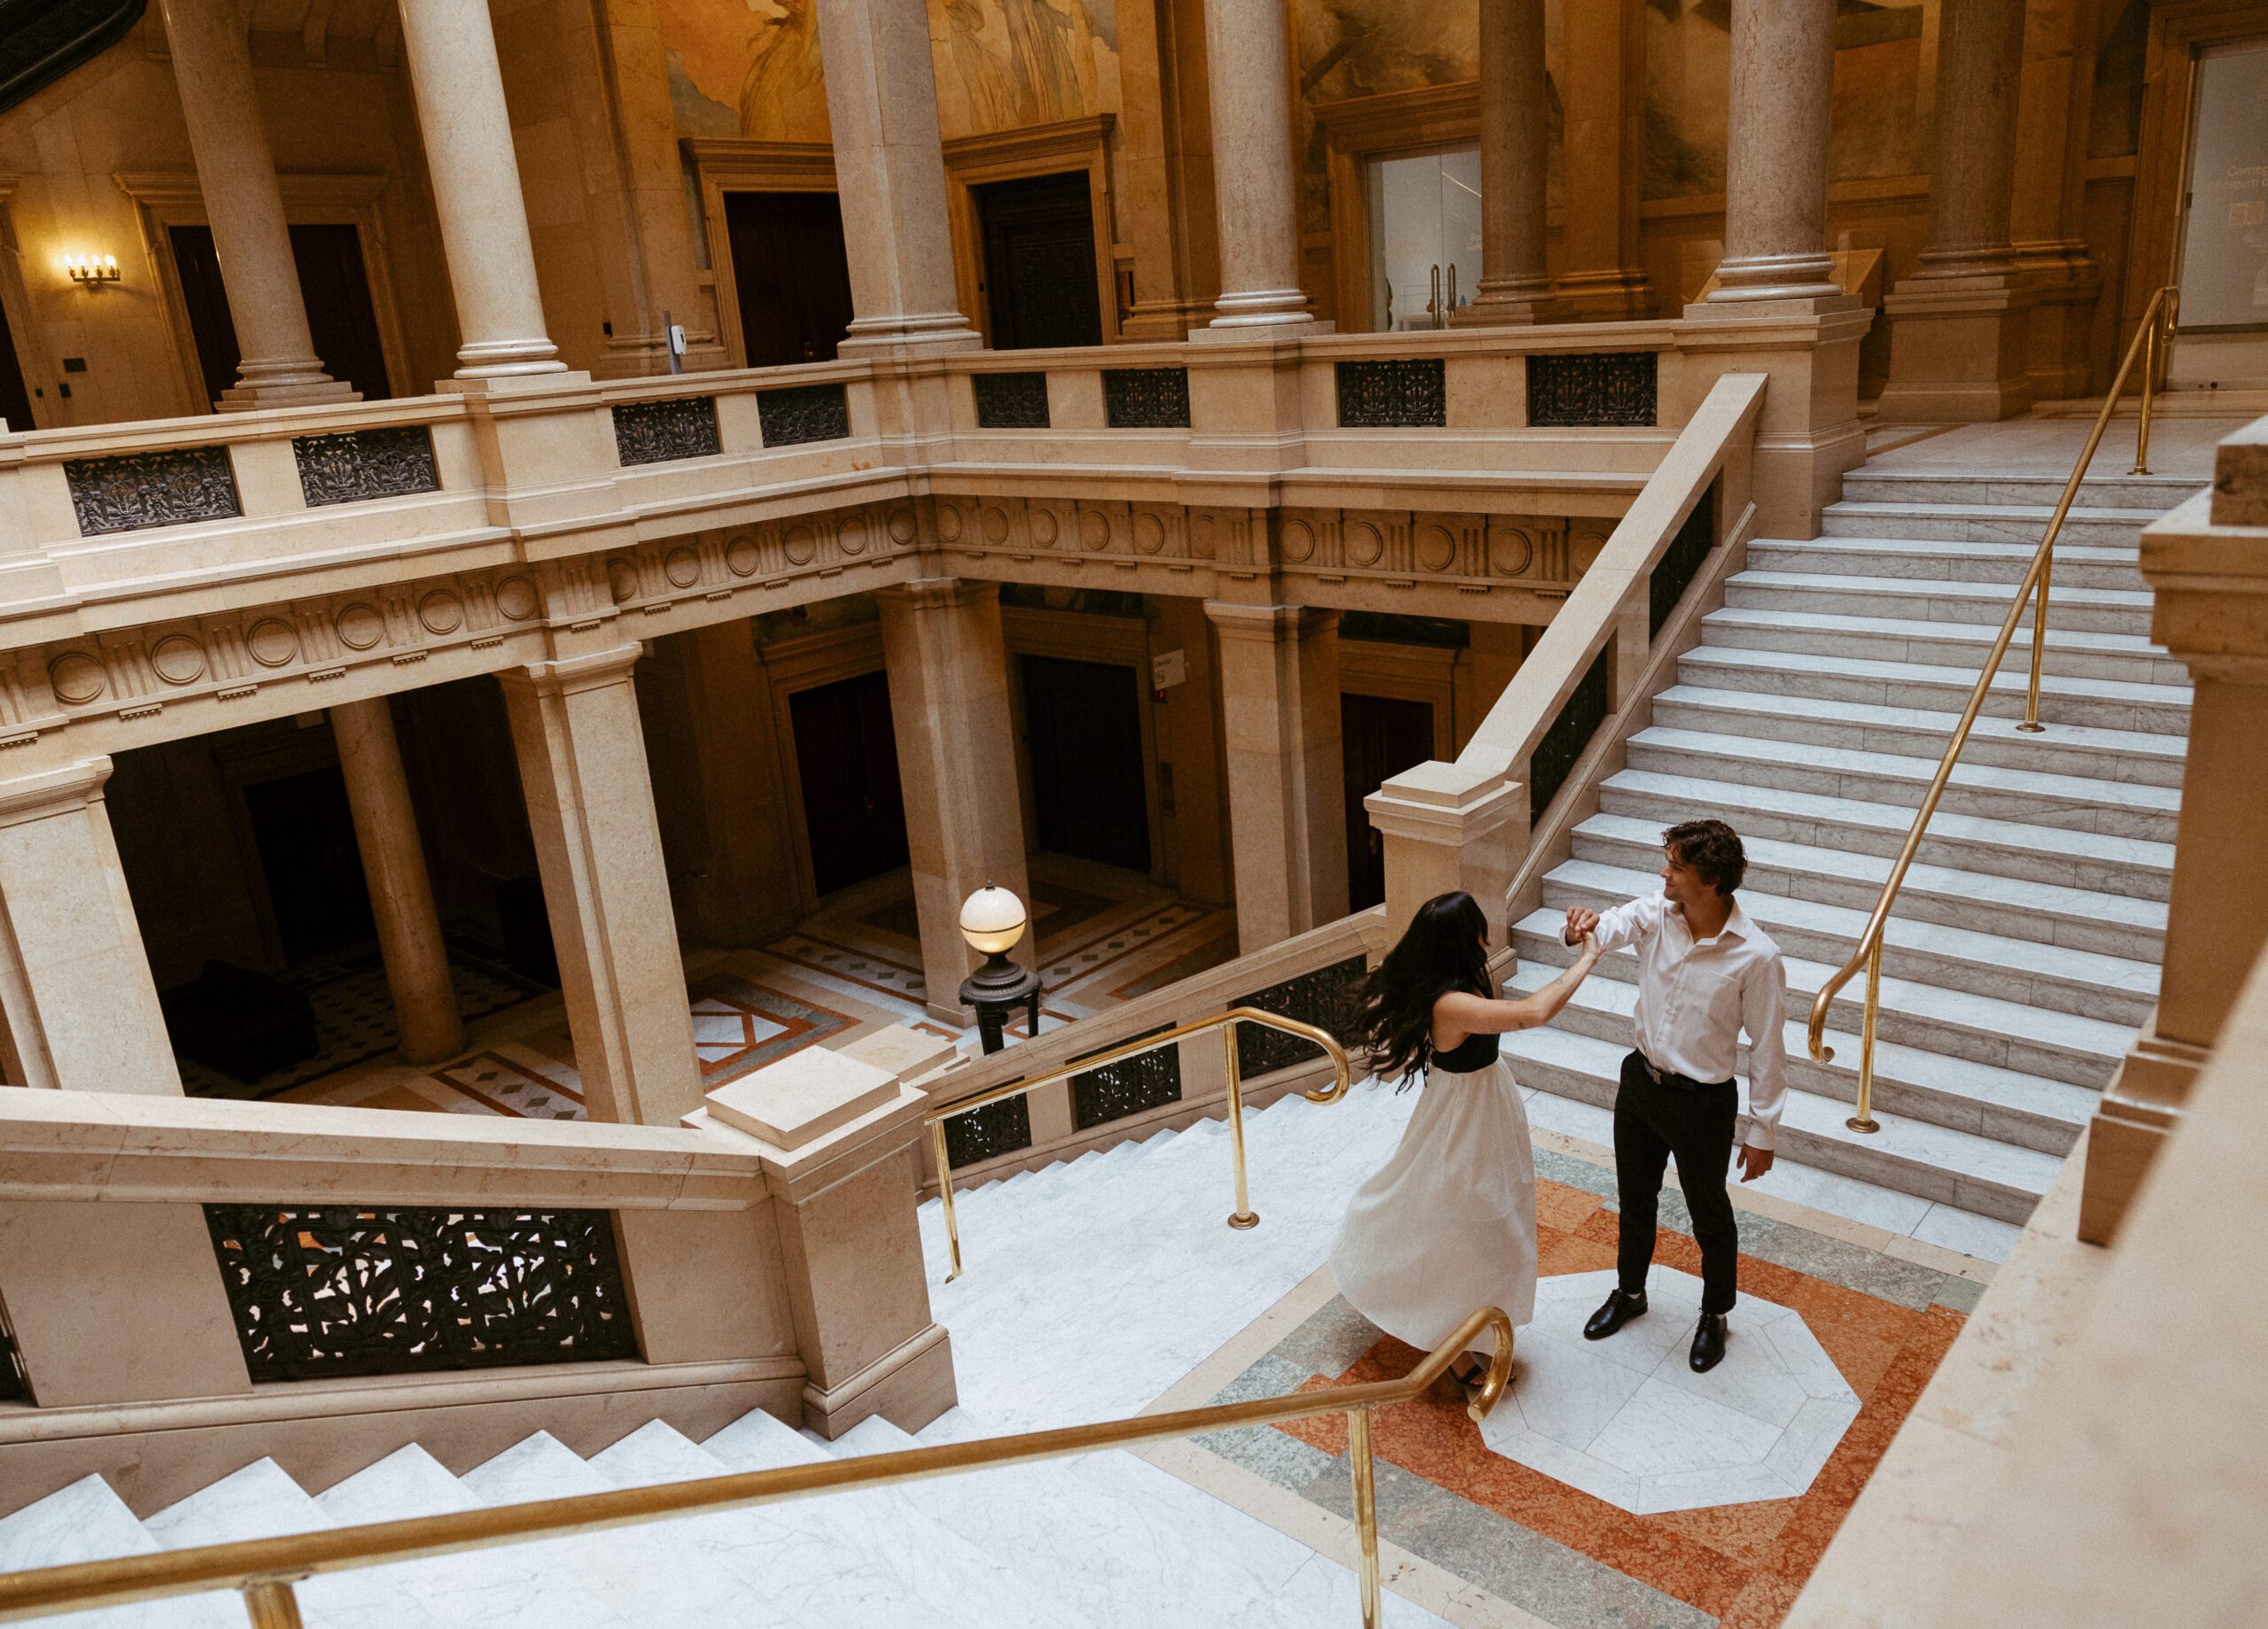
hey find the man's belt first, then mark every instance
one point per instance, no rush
(1663, 1077)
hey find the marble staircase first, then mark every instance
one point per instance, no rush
(2024, 948)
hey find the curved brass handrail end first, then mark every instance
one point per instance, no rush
(1499, 1368)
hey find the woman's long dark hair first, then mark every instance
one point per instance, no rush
(1443, 950)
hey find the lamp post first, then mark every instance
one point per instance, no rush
(992, 920)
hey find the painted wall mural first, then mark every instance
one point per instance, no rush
(751, 68)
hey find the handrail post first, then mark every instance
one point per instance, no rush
(2149, 389)
(1864, 1121)
(1242, 1217)
(1366, 1511)
(945, 1197)
(270, 1604)
(2031, 725)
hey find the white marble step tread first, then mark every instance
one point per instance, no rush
(2127, 657)
(1987, 603)
(1134, 1548)
(2035, 516)
(869, 1557)
(1876, 484)
(2012, 677)
(87, 1521)
(1941, 560)
(2029, 958)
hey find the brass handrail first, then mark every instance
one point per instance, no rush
(263, 1570)
(1226, 1022)
(2157, 320)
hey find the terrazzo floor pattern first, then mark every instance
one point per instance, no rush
(1105, 1287)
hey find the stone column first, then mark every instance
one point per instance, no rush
(1775, 152)
(451, 51)
(1958, 334)
(74, 980)
(401, 895)
(591, 808)
(957, 766)
(1255, 173)
(1287, 819)
(1514, 286)
(277, 365)
(890, 174)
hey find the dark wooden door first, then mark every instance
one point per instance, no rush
(1379, 737)
(846, 754)
(334, 284)
(15, 401)
(792, 273)
(305, 834)
(1083, 722)
(1039, 261)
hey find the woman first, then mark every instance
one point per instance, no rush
(1448, 1224)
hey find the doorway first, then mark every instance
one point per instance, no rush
(1379, 737)
(1082, 726)
(334, 283)
(846, 757)
(1039, 261)
(792, 275)
(1425, 211)
(303, 830)
(2222, 342)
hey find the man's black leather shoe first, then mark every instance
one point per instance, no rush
(1618, 1310)
(1709, 1343)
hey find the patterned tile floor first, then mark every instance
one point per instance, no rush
(1571, 1558)
(1105, 936)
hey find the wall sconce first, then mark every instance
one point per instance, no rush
(91, 268)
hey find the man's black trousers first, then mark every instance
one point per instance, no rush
(1653, 1120)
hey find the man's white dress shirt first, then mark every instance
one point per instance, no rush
(1696, 997)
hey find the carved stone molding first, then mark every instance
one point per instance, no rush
(804, 412)
(137, 490)
(655, 432)
(357, 465)
(1591, 389)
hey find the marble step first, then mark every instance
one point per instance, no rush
(2097, 703)
(2067, 858)
(2127, 658)
(2089, 610)
(2021, 970)
(2006, 1106)
(2146, 759)
(855, 1559)
(87, 1521)
(2154, 493)
(2002, 523)
(1934, 1162)
(1988, 1029)
(1939, 561)
(1129, 1546)
(2073, 803)
(2077, 918)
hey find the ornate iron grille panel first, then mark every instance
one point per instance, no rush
(1127, 1087)
(323, 1290)
(1000, 1128)
(1324, 998)
(151, 489)
(655, 432)
(14, 1387)
(1403, 391)
(1145, 397)
(1673, 573)
(804, 412)
(1603, 387)
(360, 464)
(1011, 401)
(1563, 743)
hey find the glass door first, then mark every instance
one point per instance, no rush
(2222, 341)
(1424, 217)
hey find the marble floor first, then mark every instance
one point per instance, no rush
(1105, 936)
(2046, 444)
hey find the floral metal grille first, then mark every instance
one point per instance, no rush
(1378, 395)
(14, 1387)
(984, 1134)
(1673, 573)
(656, 432)
(325, 1290)
(1145, 397)
(804, 412)
(1145, 1081)
(357, 465)
(137, 490)
(1011, 401)
(1563, 743)
(1323, 997)
(1593, 388)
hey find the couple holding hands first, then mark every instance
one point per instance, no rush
(1448, 1223)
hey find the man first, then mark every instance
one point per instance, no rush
(1705, 973)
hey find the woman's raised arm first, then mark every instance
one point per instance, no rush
(1482, 1015)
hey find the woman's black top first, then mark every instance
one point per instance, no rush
(1472, 1054)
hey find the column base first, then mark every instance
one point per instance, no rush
(909, 1387)
(1958, 350)
(1514, 308)
(243, 397)
(1615, 296)
(645, 356)
(927, 333)
(1164, 321)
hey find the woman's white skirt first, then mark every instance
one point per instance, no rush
(1448, 1225)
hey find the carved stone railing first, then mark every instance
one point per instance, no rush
(1494, 820)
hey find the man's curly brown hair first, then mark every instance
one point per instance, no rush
(1711, 850)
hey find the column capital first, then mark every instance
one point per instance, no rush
(1235, 620)
(565, 675)
(933, 594)
(54, 791)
